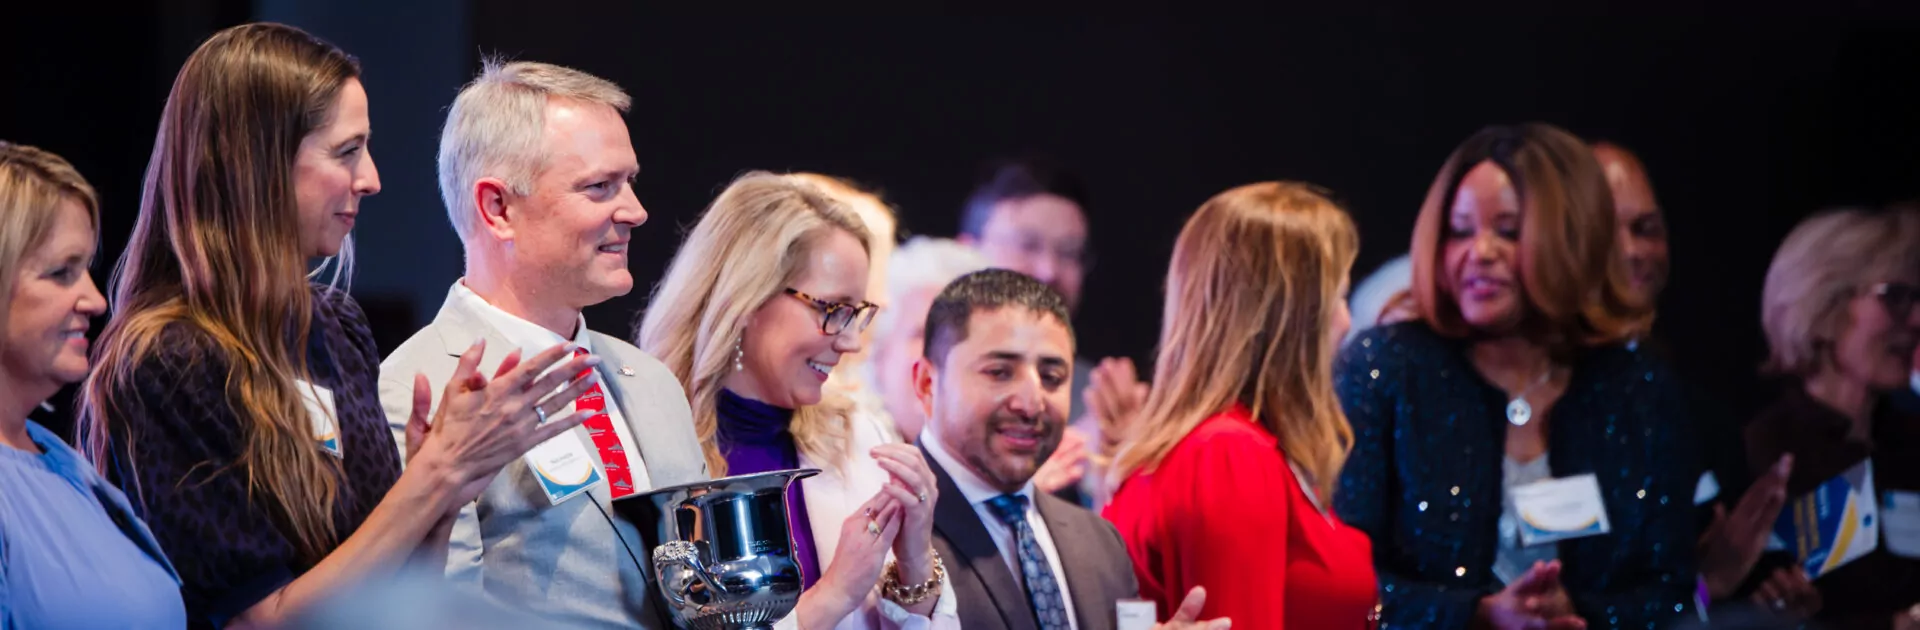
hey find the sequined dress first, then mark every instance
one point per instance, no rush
(1425, 479)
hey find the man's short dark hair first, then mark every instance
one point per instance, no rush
(1019, 178)
(986, 290)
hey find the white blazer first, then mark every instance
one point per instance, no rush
(835, 494)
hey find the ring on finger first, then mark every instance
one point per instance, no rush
(922, 495)
(1779, 604)
(873, 527)
(541, 411)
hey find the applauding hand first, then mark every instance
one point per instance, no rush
(1789, 593)
(858, 558)
(483, 424)
(1065, 466)
(1732, 543)
(1188, 616)
(1535, 601)
(913, 486)
(1114, 396)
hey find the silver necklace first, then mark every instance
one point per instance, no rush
(1519, 411)
(1307, 487)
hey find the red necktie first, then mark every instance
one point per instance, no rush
(600, 426)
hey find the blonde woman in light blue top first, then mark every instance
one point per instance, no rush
(72, 552)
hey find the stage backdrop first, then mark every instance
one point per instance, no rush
(1746, 125)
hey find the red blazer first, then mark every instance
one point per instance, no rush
(1224, 511)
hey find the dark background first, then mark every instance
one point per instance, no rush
(1747, 123)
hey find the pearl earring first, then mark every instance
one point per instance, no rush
(738, 354)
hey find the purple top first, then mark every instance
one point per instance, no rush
(754, 438)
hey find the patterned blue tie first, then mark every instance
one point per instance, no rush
(1041, 587)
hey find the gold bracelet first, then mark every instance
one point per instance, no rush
(910, 594)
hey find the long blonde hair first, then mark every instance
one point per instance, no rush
(747, 247)
(216, 248)
(1253, 287)
(850, 376)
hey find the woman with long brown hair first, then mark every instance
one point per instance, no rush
(1226, 480)
(237, 402)
(1508, 427)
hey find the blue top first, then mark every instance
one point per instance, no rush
(1425, 478)
(72, 554)
(754, 437)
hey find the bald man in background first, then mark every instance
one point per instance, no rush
(1641, 232)
(1736, 513)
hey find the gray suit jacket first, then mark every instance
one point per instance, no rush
(1098, 571)
(575, 563)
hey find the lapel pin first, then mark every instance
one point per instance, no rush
(626, 370)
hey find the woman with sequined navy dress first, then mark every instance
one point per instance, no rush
(1515, 373)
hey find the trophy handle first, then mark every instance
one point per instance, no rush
(685, 555)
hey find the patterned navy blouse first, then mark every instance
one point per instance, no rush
(229, 545)
(1425, 479)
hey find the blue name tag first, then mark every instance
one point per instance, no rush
(1834, 524)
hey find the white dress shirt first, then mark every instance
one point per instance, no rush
(532, 339)
(978, 492)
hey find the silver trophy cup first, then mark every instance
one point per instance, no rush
(722, 550)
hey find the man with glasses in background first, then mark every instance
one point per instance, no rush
(1029, 215)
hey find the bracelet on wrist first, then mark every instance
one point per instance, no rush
(910, 594)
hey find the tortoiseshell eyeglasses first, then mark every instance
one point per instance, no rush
(835, 317)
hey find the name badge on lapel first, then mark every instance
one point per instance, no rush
(1136, 614)
(563, 468)
(1900, 523)
(320, 411)
(1560, 509)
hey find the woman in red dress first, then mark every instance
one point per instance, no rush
(1227, 480)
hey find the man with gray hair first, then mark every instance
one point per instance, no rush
(535, 170)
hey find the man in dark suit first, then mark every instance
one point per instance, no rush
(995, 380)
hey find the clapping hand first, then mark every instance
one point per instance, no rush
(1065, 466)
(1790, 593)
(1732, 543)
(912, 485)
(483, 424)
(1114, 396)
(1535, 601)
(1187, 617)
(865, 537)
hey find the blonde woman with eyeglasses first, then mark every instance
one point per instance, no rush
(765, 298)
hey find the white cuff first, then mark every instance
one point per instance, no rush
(944, 609)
